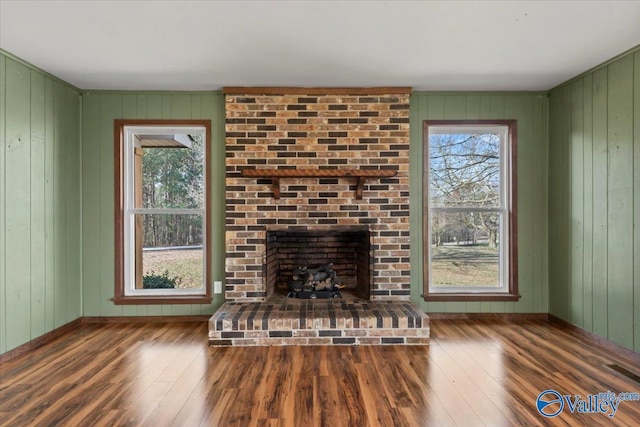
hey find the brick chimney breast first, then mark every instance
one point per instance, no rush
(316, 129)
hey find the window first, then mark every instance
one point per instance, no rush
(469, 210)
(162, 211)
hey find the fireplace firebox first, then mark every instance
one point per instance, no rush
(345, 251)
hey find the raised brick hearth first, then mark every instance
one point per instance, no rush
(283, 321)
(316, 130)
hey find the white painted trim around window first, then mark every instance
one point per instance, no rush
(129, 211)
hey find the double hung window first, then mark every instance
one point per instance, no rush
(162, 215)
(470, 210)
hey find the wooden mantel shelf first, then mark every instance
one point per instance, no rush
(275, 175)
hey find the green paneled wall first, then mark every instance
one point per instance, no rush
(578, 173)
(594, 211)
(99, 111)
(530, 110)
(40, 285)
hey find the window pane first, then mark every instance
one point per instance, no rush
(170, 253)
(465, 249)
(464, 169)
(171, 175)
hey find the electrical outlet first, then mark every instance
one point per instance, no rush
(217, 287)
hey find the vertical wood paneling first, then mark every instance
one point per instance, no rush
(636, 201)
(577, 200)
(435, 108)
(59, 206)
(601, 285)
(473, 105)
(3, 252)
(530, 110)
(165, 107)
(73, 213)
(566, 208)
(37, 190)
(181, 106)
(455, 106)
(556, 300)
(587, 240)
(558, 205)
(601, 201)
(50, 255)
(130, 105)
(523, 109)
(496, 106)
(110, 109)
(540, 200)
(154, 106)
(18, 202)
(99, 111)
(485, 107)
(196, 105)
(141, 106)
(37, 184)
(416, 105)
(91, 254)
(620, 242)
(509, 106)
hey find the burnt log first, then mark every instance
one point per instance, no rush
(320, 278)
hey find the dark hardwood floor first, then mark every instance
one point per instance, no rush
(474, 373)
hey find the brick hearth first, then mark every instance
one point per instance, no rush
(282, 321)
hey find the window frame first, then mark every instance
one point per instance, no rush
(120, 296)
(510, 292)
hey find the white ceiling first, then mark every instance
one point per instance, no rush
(427, 45)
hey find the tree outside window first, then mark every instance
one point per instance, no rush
(469, 210)
(162, 212)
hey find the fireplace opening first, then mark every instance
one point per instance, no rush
(339, 257)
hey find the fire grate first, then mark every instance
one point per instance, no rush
(315, 295)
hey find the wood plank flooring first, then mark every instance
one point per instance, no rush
(474, 373)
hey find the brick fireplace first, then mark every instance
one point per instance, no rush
(313, 176)
(317, 130)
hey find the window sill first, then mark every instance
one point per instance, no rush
(139, 300)
(471, 297)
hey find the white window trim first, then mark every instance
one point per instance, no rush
(130, 211)
(502, 209)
